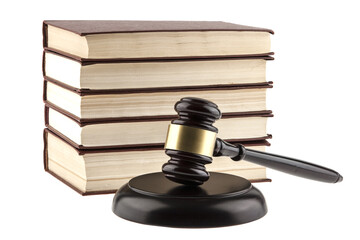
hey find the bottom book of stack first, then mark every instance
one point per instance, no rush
(99, 171)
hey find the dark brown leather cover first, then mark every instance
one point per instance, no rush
(111, 60)
(89, 27)
(85, 92)
(82, 152)
(143, 145)
(88, 121)
(260, 142)
(86, 61)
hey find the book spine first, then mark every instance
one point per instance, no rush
(45, 152)
(44, 31)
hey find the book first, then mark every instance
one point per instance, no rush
(119, 104)
(110, 88)
(104, 171)
(145, 132)
(159, 73)
(94, 39)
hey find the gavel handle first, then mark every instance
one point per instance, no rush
(284, 164)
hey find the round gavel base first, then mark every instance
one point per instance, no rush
(223, 200)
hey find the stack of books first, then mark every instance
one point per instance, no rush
(110, 89)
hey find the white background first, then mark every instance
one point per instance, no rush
(316, 98)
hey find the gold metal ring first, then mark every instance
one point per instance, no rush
(190, 139)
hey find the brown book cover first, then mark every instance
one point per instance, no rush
(85, 61)
(85, 122)
(90, 27)
(148, 148)
(93, 27)
(86, 92)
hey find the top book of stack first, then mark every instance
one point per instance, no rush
(146, 40)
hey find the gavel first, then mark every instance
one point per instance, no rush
(191, 143)
(177, 197)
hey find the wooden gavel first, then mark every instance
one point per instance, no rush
(191, 143)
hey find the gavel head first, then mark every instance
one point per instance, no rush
(191, 140)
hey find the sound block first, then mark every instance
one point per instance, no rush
(223, 200)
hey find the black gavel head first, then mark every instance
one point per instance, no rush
(190, 141)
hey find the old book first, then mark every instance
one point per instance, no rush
(105, 171)
(154, 102)
(154, 39)
(145, 132)
(154, 74)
